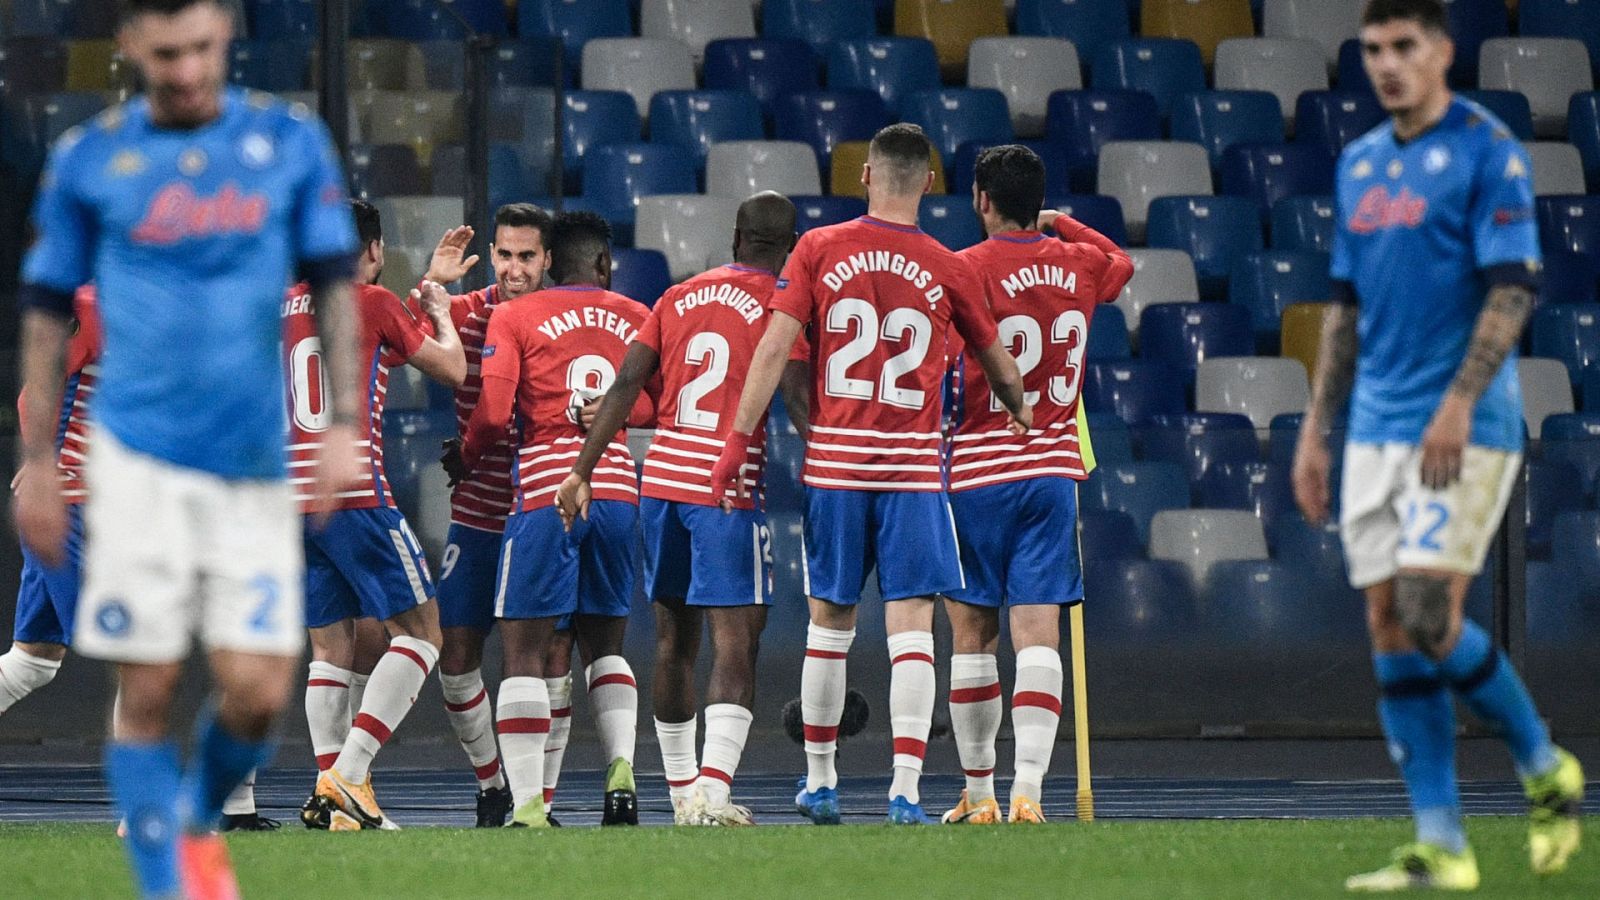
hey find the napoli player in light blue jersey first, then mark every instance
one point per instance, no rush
(1435, 266)
(191, 207)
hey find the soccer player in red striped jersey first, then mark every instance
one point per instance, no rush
(700, 564)
(362, 559)
(879, 296)
(547, 356)
(1015, 497)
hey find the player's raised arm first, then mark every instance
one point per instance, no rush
(502, 372)
(616, 408)
(1119, 265)
(450, 261)
(440, 357)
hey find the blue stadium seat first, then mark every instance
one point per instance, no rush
(591, 119)
(1563, 19)
(694, 120)
(820, 23)
(275, 20)
(1303, 223)
(959, 171)
(574, 23)
(814, 212)
(1569, 332)
(512, 175)
(617, 175)
(954, 116)
(1263, 487)
(1182, 335)
(640, 274)
(1134, 389)
(1266, 173)
(823, 119)
(1332, 119)
(1108, 534)
(1140, 489)
(1113, 442)
(1471, 23)
(1086, 23)
(517, 62)
(32, 65)
(1583, 131)
(1108, 335)
(950, 219)
(1575, 550)
(1510, 107)
(767, 68)
(1315, 550)
(1216, 120)
(1102, 213)
(383, 170)
(1251, 604)
(39, 18)
(1569, 277)
(1078, 123)
(1352, 76)
(1165, 68)
(1142, 602)
(1284, 431)
(410, 444)
(1574, 438)
(1266, 282)
(1554, 487)
(1199, 441)
(893, 67)
(1570, 222)
(1589, 400)
(275, 66)
(1216, 232)
(54, 113)
(430, 20)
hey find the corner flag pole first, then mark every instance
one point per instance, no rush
(1080, 716)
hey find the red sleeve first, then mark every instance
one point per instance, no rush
(502, 372)
(84, 348)
(461, 306)
(394, 322)
(650, 332)
(792, 294)
(969, 307)
(1119, 267)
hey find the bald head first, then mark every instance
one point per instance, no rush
(764, 230)
(899, 157)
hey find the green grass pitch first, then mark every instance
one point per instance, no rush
(1167, 859)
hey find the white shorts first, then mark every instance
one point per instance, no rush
(172, 552)
(1390, 521)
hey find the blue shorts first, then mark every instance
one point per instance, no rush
(705, 556)
(546, 571)
(47, 599)
(1019, 543)
(364, 562)
(909, 535)
(467, 577)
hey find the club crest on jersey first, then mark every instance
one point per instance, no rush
(1377, 210)
(192, 162)
(1434, 161)
(127, 163)
(489, 350)
(176, 213)
(1362, 169)
(1396, 168)
(255, 151)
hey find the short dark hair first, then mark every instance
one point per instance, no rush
(577, 238)
(127, 10)
(1427, 13)
(525, 215)
(369, 225)
(908, 153)
(1013, 177)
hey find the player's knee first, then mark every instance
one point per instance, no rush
(1422, 609)
(462, 651)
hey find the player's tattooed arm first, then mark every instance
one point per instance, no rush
(41, 514)
(1499, 328)
(1336, 366)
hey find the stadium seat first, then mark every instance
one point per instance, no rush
(525, 119)
(892, 67)
(820, 23)
(1142, 603)
(384, 64)
(638, 67)
(952, 26)
(1262, 487)
(1057, 183)
(1351, 75)
(1328, 22)
(1134, 389)
(616, 176)
(1332, 119)
(740, 168)
(96, 65)
(1217, 120)
(693, 231)
(1205, 22)
(1472, 23)
(815, 212)
(1553, 487)
(53, 114)
(640, 274)
(1557, 168)
(1079, 123)
(1570, 223)
(1563, 18)
(1165, 69)
(418, 221)
(512, 176)
(1548, 70)
(1214, 231)
(1268, 282)
(1284, 432)
(1546, 391)
(1257, 386)
(953, 116)
(951, 220)
(1590, 399)
(1510, 107)
(1199, 441)
(1575, 549)
(1183, 335)
(1315, 550)
(767, 68)
(275, 66)
(1086, 23)
(1583, 130)
(422, 119)
(1108, 534)
(844, 177)
(1140, 490)
(32, 65)
(1300, 333)
(1108, 336)
(1135, 172)
(1103, 214)
(381, 170)
(1159, 276)
(1574, 439)
(825, 118)
(1028, 71)
(695, 24)
(575, 23)
(694, 120)
(593, 119)
(1569, 277)
(1303, 223)
(1113, 442)
(1570, 333)
(1266, 173)
(1200, 538)
(522, 62)
(431, 20)
(273, 20)
(1254, 604)
(1285, 67)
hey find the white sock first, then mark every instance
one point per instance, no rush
(727, 728)
(358, 692)
(1035, 716)
(466, 703)
(822, 701)
(975, 711)
(242, 801)
(614, 697)
(677, 741)
(523, 721)
(911, 689)
(327, 710)
(23, 673)
(555, 749)
(395, 683)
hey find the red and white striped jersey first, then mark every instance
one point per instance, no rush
(546, 352)
(879, 299)
(1043, 292)
(485, 498)
(387, 333)
(72, 411)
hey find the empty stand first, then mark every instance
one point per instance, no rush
(1183, 335)
(1214, 231)
(1108, 338)
(1135, 172)
(1332, 119)
(952, 26)
(953, 116)
(824, 119)
(1564, 19)
(1133, 389)
(740, 168)
(1510, 107)
(820, 23)
(1268, 282)
(1081, 122)
(1027, 70)
(1164, 68)
(1103, 214)
(696, 23)
(1300, 335)
(575, 24)
(1284, 67)
(1328, 22)
(1262, 487)
(616, 176)
(1260, 387)
(1553, 486)
(1547, 70)
(1266, 173)
(638, 67)
(1207, 23)
(1140, 490)
(1570, 333)
(892, 67)
(640, 274)
(1159, 276)
(1201, 538)
(950, 220)
(815, 212)
(1546, 391)
(1199, 441)
(1473, 22)
(1570, 223)
(767, 68)
(695, 120)
(1583, 130)
(1303, 223)
(693, 231)
(593, 119)
(1217, 120)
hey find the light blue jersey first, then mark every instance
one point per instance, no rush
(1419, 223)
(192, 236)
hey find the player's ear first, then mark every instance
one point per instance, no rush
(927, 185)
(866, 175)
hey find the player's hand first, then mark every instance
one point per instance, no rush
(587, 414)
(1047, 218)
(1021, 422)
(448, 263)
(455, 465)
(1312, 465)
(432, 299)
(728, 472)
(1444, 440)
(40, 512)
(572, 499)
(337, 465)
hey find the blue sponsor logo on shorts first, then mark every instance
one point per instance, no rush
(113, 618)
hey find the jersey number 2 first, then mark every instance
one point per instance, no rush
(711, 350)
(899, 323)
(1069, 328)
